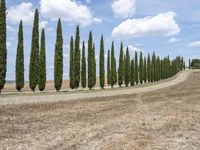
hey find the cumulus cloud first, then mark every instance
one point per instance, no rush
(123, 8)
(194, 44)
(43, 24)
(163, 24)
(133, 48)
(22, 11)
(69, 10)
(97, 20)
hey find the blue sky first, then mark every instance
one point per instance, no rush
(166, 27)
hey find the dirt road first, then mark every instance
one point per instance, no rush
(164, 116)
(66, 96)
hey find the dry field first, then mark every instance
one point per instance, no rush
(164, 116)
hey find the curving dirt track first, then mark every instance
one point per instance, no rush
(163, 116)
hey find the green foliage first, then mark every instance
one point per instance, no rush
(90, 61)
(121, 66)
(19, 68)
(34, 58)
(136, 68)
(127, 68)
(108, 68)
(42, 66)
(195, 64)
(149, 68)
(141, 68)
(58, 62)
(153, 65)
(132, 72)
(101, 64)
(94, 65)
(113, 66)
(145, 70)
(77, 59)
(83, 69)
(71, 69)
(3, 49)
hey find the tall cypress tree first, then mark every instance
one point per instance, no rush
(189, 64)
(42, 66)
(141, 68)
(149, 68)
(58, 62)
(90, 61)
(34, 58)
(113, 69)
(153, 67)
(108, 68)
(127, 68)
(83, 70)
(136, 68)
(145, 70)
(101, 64)
(20, 59)
(132, 72)
(121, 66)
(3, 49)
(71, 69)
(94, 65)
(77, 59)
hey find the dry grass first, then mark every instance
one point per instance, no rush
(167, 118)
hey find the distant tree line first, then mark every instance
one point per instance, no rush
(195, 64)
(130, 72)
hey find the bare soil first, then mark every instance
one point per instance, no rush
(165, 116)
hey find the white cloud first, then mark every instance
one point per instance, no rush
(22, 11)
(173, 40)
(97, 20)
(163, 24)
(194, 44)
(69, 10)
(43, 24)
(124, 8)
(133, 48)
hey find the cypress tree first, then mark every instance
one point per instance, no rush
(113, 65)
(115, 69)
(83, 70)
(58, 62)
(90, 61)
(136, 68)
(189, 64)
(20, 59)
(42, 66)
(108, 68)
(71, 69)
(153, 67)
(34, 58)
(127, 68)
(145, 70)
(77, 59)
(121, 67)
(141, 68)
(149, 68)
(132, 72)
(3, 49)
(94, 65)
(101, 64)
